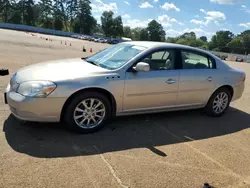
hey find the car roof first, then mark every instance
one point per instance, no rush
(150, 44)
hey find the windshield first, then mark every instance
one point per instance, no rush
(115, 56)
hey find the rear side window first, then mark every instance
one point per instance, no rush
(158, 55)
(193, 60)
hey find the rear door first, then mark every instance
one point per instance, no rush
(197, 78)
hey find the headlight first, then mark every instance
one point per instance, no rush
(36, 88)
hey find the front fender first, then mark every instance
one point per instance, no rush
(114, 84)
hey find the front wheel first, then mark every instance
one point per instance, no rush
(87, 112)
(218, 102)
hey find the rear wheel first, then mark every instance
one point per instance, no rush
(87, 112)
(218, 102)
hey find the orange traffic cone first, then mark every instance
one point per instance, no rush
(91, 50)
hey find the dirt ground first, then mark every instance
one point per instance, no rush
(178, 149)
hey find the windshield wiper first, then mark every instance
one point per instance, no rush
(91, 62)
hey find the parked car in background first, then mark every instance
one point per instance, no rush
(113, 41)
(133, 78)
(96, 39)
(101, 40)
(239, 59)
(223, 57)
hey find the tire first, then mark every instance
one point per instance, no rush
(71, 112)
(210, 108)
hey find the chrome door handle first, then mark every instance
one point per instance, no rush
(209, 78)
(170, 81)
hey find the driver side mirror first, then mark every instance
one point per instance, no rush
(141, 67)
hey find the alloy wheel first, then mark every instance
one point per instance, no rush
(89, 113)
(220, 102)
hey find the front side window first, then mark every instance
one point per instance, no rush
(160, 60)
(192, 60)
(115, 56)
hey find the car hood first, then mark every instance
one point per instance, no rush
(58, 70)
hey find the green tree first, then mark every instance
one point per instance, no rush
(245, 39)
(71, 11)
(5, 10)
(171, 40)
(28, 12)
(156, 32)
(136, 32)
(213, 43)
(46, 14)
(59, 9)
(98, 29)
(190, 36)
(85, 21)
(127, 32)
(16, 17)
(37, 11)
(204, 46)
(117, 27)
(203, 38)
(58, 24)
(236, 45)
(59, 15)
(189, 39)
(182, 41)
(195, 43)
(107, 23)
(144, 36)
(220, 40)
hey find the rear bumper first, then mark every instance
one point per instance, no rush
(35, 109)
(238, 91)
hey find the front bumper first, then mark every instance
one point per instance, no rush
(35, 109)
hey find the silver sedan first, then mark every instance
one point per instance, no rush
(124, 79)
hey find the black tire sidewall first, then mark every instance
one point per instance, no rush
(209, 107)
(68, 116)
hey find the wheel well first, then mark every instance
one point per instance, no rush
(230, 89)
(98, 90)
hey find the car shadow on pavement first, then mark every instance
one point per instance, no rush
(144, 131)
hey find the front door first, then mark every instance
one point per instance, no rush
(156, 88)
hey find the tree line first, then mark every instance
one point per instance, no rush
(222, 41)
(76, 16)
(66, 15)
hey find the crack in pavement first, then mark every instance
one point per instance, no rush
(77, 149)
(110, 168)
